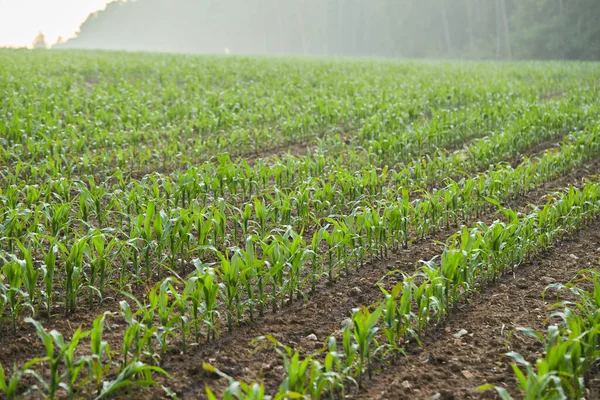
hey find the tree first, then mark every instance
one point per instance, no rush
(556, 29)
(505, 23)
(524, 29)
(39, 42)
(59, 42)
(446, 26)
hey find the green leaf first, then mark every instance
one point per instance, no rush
(2, 379)
(292, 395)
(517, 357)
(209, 394)
(209, 368)
(503, 393)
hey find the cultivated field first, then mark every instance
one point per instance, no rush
(189, 226)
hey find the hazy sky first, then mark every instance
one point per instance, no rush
(21, 20)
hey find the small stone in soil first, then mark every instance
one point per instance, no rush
(460, 333)
(346, 322)
(547, 280)
(267, 367)
(279, 369)
(522, 284)
(355, 291)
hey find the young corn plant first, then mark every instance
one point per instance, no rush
(219, 226)
(56, 348)
(365, 328)
(29, 274)
(276, 258)
(251, 274)
(145, 227)
(99, 349)
(230, 275)
(295, 252)
(145, 325)
(210, 292)
(162, 229)
(537, 383)
(263, 213)
(73, 267)
(185, 236)
(48, 271)
(314, 251)
(297, 378)
(160, 299)
(324, 378)
(343, 239)
(14, 295)
(73, 366)
(329, 238)
(135, 373)
(101, 258)
(9, 386)
(180, 301)
(396, 314)
(572, 348)
(237, 390)
(136, 338)
(193, 291)
(350, 348)
(300, 378)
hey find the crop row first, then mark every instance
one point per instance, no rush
(282, 259)
(473, 258)
(445, 128)
(60, 373)
(116, 117)
(388, 147)
(205, 185)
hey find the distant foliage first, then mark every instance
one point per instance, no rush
(543, 29)
(552, 29)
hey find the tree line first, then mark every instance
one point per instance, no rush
(498, 29)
